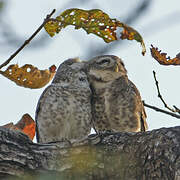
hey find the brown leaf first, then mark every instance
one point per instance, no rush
(29, 76)
(130, 34)
(26, 125)
(162, 57)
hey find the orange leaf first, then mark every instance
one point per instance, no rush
(26, 125)
(29, 76)
(162, 58)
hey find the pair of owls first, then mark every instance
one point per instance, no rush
(96, 93)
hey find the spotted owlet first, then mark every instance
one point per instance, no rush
(116, 102)
(64, 109)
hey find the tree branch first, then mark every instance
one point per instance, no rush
(28, 40)
(161, 110)
(145, 155)
(177, 109)
(160, 96)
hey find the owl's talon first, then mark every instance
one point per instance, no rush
(94, 138)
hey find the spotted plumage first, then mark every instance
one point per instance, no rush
(116, 102)
(64, 109)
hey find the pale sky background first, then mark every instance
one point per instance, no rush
(160, 26)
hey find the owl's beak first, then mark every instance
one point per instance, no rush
(116, 68)
(77, 59)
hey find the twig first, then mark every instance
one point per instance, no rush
(12, 40)
(28, 40)
(161, 110)
(159, 95)
(177, 109)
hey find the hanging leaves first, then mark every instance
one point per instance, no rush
(25, 125)
(93, 21)
(29, 76)
(162, 57)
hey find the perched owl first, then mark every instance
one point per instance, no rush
(64, 109)
(116, 102)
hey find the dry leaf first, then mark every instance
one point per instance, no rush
(25, 125)
(93, 21)
(52, 27)
(29, 76)
(162, 57)
(130, 34)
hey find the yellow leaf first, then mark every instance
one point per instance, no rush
(93, 21)
(29, 76)
(52, 27)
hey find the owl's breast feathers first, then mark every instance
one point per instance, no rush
(117, 105)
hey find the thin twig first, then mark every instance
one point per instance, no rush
(161, 110)
(28, 40)
(11, 40)
(177, 109)
(159, 95)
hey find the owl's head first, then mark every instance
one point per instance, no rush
(64, 71)
(71, 72)
(105, 68)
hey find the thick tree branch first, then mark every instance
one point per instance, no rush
(28, 40)
(147, 155)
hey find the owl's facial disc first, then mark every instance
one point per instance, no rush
(102, 75)
(105, 68)
(107, 63)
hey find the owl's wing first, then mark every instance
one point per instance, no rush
(144, 126)
(38, 109)
(143, 117)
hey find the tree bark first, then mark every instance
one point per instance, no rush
(147, 155)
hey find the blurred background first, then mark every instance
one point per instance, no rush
(157, 21)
